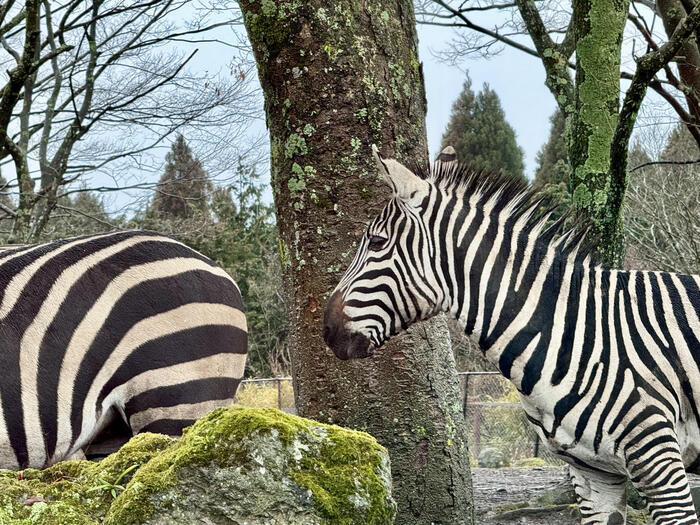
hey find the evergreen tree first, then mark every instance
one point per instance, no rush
(184, 188)
(480, 134)
(552, 173)
(552, 159)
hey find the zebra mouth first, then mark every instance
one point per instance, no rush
(353, 346)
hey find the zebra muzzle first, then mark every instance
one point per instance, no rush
(344, 343)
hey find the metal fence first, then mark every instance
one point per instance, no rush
(498, 432)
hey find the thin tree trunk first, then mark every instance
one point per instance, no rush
(338, 77)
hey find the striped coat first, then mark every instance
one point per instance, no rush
(129, 325)
(607, 362)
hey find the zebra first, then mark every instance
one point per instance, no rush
(124, 326)
(606, 362)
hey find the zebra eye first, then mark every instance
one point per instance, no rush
(377, 242)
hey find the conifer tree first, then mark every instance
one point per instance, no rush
(480, 134)
(552, 173)
(552, 159)
(184, 187)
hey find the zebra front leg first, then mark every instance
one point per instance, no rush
(660, 476)
(602, 497)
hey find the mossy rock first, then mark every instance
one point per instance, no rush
(73, 492)
(491, 457)
(235, 465)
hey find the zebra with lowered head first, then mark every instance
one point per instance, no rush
(607, 362)
(129, 326)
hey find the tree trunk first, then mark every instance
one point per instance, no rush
(688, 59)
(338, 77)
(598, 29)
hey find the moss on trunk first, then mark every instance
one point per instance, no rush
(599, 26)
(338, 77)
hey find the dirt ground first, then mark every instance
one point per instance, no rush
(495, 489)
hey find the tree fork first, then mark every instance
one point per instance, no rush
(337, 78)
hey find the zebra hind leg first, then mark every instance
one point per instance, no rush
(662, 479)
(602, 497)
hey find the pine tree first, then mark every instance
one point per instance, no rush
(480, 134)
(184, 187)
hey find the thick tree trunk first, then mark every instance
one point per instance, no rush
(337, 77)
(598, 29)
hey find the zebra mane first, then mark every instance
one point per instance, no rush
(525, 204)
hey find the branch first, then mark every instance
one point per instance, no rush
(553, 55)
(647, 67)
(664, 163)
(470, 25)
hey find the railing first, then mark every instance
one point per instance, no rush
(492, 412)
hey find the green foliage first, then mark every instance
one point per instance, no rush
(184, 187)
(480, 134)
(552, 159)
(552, 173)
(233, 226)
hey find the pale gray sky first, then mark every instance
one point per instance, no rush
(516, 77)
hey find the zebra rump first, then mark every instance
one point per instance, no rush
(128, 326)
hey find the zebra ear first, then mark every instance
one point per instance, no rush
(404, 183)
(446, 162)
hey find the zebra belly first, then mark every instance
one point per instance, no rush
(562, 441)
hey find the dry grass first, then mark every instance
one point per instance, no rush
(265, 395)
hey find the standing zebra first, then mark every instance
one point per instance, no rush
(607, 362)
(128, 325)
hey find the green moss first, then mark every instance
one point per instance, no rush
(73, 492)
(598, 92)
(344, 475)
(271, 25)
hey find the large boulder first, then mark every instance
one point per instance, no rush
(235, 465)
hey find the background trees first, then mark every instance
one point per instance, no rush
(662, 206)
(598, 129)
(93, 89)
(234, 226)
(480, 134)
(338, 77)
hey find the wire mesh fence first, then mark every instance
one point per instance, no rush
(498, 432)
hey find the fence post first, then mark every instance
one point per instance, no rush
(279, 394)
(466, 393)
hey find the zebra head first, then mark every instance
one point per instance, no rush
(392, 281)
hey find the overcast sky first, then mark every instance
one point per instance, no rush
(517, 78)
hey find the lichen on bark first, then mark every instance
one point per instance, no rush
(350, 70)
(598, 27)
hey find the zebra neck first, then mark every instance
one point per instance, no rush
(512, 283)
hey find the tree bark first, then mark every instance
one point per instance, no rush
(338, 77)
(598, 29)
(688, 61)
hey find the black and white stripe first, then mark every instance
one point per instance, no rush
(130, 325)
(607, 362)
